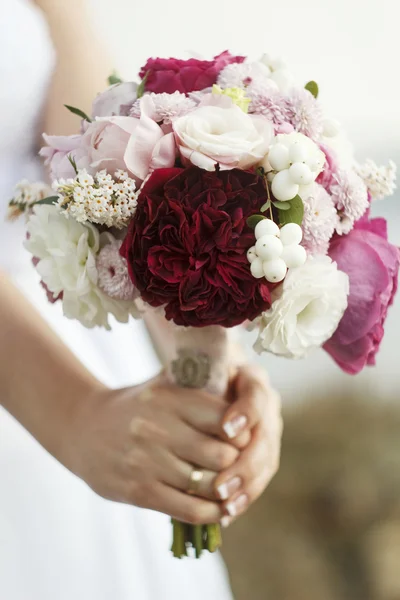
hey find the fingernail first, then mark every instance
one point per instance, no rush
(226, 521)
(234, 427)
(236, 507)
(225, 490)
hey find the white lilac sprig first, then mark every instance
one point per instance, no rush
(26, 195)
(380, 180)
(101, 199)
(276, 250)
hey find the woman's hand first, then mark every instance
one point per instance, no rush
(255, 407)
(139, 445)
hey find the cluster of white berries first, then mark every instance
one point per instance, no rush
(26, 195)
(276, 250)
(100, 199)
(296, 161)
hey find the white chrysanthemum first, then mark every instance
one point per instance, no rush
(167, 107)
(305, 113)
(380, 181)
(113, 275)
(99, 199)
(319, 221)
(306, 311)
(350, 196)
(66, 251)
(242, 75)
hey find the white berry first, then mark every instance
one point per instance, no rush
(301, 173)
(291, 234)
(269, 247)
(283, 187)
(251, 254)
(266, 227)
(256, 268)
(275, 270)
(297, 152)
(294, 256)
(278, 157)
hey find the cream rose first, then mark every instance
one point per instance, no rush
(221, 135)
(306, 311)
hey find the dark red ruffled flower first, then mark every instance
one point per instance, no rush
(186, 247)
(174, 75)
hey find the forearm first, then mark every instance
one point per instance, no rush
(82, 64)
(41, 381)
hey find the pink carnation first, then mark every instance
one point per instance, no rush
(372, 265)
(175, 75)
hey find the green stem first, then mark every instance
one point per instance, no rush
(178, 544)
(214, 540)
(197, 539)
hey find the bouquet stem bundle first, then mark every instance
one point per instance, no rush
(202, 361)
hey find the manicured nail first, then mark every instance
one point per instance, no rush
(226, 521)
(234, 427)
(227, 489)
(237, 506)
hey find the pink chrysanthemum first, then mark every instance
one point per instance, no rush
(113, 276)
(319, 222)
(271, 106)
(167, 106)
(305, 113)
(350, 196)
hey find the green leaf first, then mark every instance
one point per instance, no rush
(142, 85)
(254, 219)
(73, 163)
(312, 87)
(260, 171)
(294, 214)
(78, 112)
(114, 78)
(265, 206)
(48, 200)
(281, 205)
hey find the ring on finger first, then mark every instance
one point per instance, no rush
(195, 479)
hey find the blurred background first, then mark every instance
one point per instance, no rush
(328, 528)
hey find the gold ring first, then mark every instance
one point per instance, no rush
(194, 481)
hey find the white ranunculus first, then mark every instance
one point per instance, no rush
(66, 251)
(223, 135)
(306, 311)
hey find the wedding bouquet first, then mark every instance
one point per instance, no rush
(218, 193)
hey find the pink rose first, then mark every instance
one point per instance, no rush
(116, 100)
(372, 265)
(172, 74)
(56, 153)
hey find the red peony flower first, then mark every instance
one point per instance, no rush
(174, 75)
(186, 247)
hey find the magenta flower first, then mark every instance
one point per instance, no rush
(174, 75)
(372, 265)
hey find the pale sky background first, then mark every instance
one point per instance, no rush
(350, 47)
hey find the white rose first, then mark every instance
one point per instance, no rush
(307, 310)
(227, 136)
(67, 253)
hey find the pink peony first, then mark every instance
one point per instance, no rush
(326, 177)
(56, 153)
(174, 75)
(116, 100)
(372, 265)
(105, 141)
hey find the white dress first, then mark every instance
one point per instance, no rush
(58, 540)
